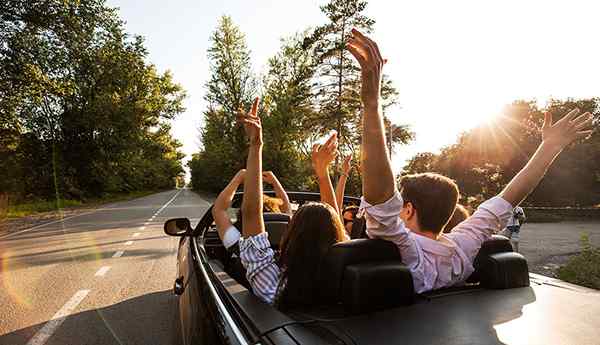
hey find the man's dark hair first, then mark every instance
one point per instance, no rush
(434, 196)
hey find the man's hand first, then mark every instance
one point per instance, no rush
(566, 130)
(269, 177)
(252, 124)
(555, 137)
(323, 155)
(371, 63)
(346, 166)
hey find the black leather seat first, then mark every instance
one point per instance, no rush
(368, 274)
(341, 255)
(376, 285)
(276, 225)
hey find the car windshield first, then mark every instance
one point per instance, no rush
(117, 116)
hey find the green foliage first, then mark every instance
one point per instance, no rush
(583, 268)
(310, 87)
(487, 157)
(86, 114)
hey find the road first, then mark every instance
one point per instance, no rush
(547, 245)
(104, 277)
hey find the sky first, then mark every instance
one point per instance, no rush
(454, 63)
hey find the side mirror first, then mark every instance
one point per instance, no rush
(178, 227)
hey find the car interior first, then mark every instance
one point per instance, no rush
(353, 267)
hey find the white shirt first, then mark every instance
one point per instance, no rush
(438, 263)
(514, 220)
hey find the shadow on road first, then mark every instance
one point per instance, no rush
(147, 319)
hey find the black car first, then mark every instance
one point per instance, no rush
(373, 301)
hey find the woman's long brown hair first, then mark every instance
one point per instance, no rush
(313, 229)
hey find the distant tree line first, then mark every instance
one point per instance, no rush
(311, 86)
(485, 158)
(81, 111)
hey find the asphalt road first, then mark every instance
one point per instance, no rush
(104, 277)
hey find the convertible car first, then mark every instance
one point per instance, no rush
(373, 301)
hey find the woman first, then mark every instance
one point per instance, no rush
(229, 232)
(314, 228)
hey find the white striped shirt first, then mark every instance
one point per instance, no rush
(262, 270)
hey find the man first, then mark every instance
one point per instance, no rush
(513, 227)
(426, 201)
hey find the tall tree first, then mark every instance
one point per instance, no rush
(338, 89)
(231, 87)
(289, 102)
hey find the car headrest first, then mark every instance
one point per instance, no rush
(351, 252)
(276, 230)
(374, 286)
(495, 244)
(504, 271)
(498, 267)
(276, 217)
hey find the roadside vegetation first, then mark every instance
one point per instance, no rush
(583, 268)
(39, 206)
(83, 114)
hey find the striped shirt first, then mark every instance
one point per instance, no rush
(439, 263)
(262, 270)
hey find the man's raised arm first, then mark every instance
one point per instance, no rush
(555, 137)
(378, 180)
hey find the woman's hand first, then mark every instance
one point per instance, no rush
(252, 124)
(323, 155)
(239, 176)
(347, 166)
(269, 177)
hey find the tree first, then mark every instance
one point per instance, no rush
(338, 89)
(231, 87)
(86, 108)
(289, 102)
(487, 157)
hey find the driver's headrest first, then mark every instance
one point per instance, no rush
(343, 254)
(276, 217)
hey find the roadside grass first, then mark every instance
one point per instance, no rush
(40, 206)
(584, 268)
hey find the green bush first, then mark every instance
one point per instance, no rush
(583, 268)
(25, 209)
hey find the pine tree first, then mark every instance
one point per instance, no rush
(338, 90)
(230, 87)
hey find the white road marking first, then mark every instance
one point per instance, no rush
(118, 254)
(168, 202)
(142, 227)
(128, 243)
(136, 234)
(42, 336)
(102, 271)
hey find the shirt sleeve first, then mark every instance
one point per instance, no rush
(383, 221)
(489, 218)
(231, 236)
(262, 271)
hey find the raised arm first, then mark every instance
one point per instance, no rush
(271, 179)
(378, 181)
(341, 185)
(555, 137)
(322, 156)
(223, 202)
(252, 202)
